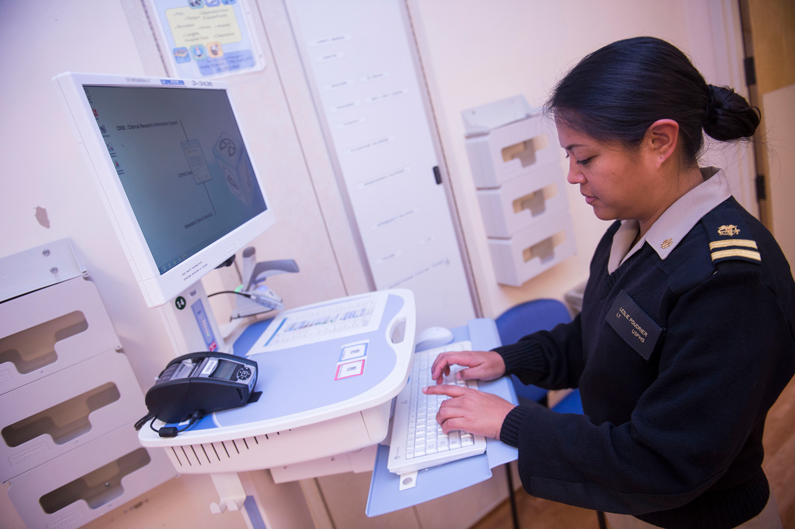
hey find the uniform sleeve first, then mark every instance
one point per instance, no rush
(548, 359)
(727, 355)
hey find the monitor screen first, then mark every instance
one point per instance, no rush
(175, 168)
(181, 159)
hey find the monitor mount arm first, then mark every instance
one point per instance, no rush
(258, 297)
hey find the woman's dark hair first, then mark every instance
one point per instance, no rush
(618, 91)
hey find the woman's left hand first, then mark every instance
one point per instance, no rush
(470, 410)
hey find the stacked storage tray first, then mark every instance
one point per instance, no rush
(520, 184)
(91, 480)
(69, 399)
(48, 330)
(514, 149)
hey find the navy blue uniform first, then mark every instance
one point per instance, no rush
(675, 388)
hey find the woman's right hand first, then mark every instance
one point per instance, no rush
(480, 365)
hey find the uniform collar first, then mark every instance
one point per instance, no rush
(676, 222)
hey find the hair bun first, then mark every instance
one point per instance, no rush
(728, 116)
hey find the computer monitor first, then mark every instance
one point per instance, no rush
(171, 161)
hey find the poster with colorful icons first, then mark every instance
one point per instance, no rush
(207, 38)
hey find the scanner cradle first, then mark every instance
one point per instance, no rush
(201, 382)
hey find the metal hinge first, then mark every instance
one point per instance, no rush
(750, 71)
(761, 194)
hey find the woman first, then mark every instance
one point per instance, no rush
(686, 335)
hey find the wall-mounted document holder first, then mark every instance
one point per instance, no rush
(39, 336)
(54, 415)
(91, 480)
(516, 167)
(506, 150)
(520, 202)
(532, 250)
(69, 398)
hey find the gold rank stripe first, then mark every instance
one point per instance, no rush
(748, 254)
(745, 243)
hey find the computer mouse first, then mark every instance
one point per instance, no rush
(434, 337)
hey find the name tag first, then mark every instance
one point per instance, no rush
(633, 325)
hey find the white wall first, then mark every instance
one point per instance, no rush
(476, 51)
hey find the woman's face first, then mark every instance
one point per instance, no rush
(612, 179)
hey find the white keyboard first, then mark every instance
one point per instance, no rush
(417, 439)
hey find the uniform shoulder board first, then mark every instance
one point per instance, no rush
(728, 236)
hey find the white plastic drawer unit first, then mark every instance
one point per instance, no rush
(518, 172)
(69, 399)
(511, 150)
(533, 250)
(58, 413)
(51, 329)
(95, 478)
(522, 201)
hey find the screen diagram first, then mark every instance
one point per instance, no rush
(181, 160)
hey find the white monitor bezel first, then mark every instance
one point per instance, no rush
(157, 289)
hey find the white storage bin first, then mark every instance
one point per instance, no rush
(512, 150)
(533, 250)
(70, 491)
(52, 329)
(521, 201)
(58, 413)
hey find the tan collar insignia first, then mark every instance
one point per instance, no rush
(730, 230)
(666, 243)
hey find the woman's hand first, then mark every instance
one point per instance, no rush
(470, 410)
(480, 365)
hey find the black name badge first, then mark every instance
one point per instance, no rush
(633, 325)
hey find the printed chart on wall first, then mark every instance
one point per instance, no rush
(357, 55)
(207, 38)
